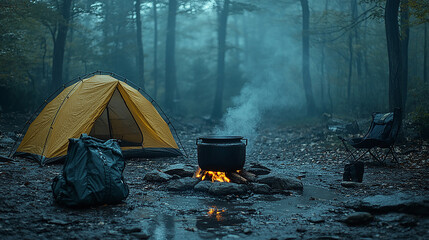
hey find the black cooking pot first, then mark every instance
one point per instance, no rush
(221, 153)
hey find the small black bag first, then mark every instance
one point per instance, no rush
(354, 171)
(92, 174)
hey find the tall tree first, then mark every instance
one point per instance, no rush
(223, 13)
(358, 51)
(170, 63)
(349, 79)
(140, 50)
(311, 108)
(155, 48)
(405, 32)
(394, 53)
(60, 43)
(425, 54)
(353, 41)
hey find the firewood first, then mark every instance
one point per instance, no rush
(248, 176)
(235, 177)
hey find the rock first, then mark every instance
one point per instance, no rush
(141, 235)
(290, 237)
(175, 176)
(328, 238)
(399, 202)
(257, 165)
(316, 220)
(203, 186)
(408, 221)
(58, 222)
(220, 188)
(157, 176)
(180, 169)
(225, 188)
(131, 229)
(182, 184)
(261, 188)
(301, 230)
(348, 184)
(258, 171)
(358, 218)
(247, 231)
(231, 236)
(280, 182)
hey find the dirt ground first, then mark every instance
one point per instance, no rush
(311, 153)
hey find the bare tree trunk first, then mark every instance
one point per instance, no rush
(43, 46)
(394, 53)
(425, 55)
(69, 51)
(366, 70)
(170, 63)
(155, 50)
(311, 108)
(140, 50)
(60, 43)
(405, 37)
(222, 25)
(358, 57)
(349, 79)
(322, 77)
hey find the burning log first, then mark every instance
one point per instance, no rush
(240, 176)
(248, 176)
(237, 178)
(211, 175)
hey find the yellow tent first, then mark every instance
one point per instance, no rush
(103, 107)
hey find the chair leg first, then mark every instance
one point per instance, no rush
(377, 158)
(385, 155)
(363, 154)
(351, 154)
(392, 150)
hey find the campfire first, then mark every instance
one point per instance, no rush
(238, 176)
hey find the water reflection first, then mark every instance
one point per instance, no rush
(203, 217)
(221, 214)
(216, 222)
(215, 212)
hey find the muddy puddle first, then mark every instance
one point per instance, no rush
(179, 216)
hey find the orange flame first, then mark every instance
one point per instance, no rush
(213, 176)
(214, 211)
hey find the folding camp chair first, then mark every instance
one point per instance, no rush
(382, 133)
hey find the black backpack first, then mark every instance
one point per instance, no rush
(92, 174)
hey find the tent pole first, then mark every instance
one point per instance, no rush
(158, 107)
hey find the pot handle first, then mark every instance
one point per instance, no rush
(196, 141)
(245, 140)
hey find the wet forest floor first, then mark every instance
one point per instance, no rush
(310, 152)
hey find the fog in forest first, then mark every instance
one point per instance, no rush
(241, 63)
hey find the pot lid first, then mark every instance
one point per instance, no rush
(219, 137)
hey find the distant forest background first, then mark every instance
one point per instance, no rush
(197, 57)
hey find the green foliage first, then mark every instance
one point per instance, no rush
(21, 35)
(420, 10)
